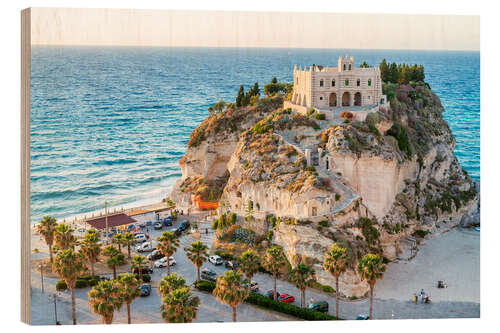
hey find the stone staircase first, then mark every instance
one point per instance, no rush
(348, 194)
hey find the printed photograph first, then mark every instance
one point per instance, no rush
(218, 166)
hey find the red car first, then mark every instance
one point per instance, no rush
(286, 298)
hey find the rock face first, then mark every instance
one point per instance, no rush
(365, 185)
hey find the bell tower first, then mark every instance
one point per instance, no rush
(345, 64)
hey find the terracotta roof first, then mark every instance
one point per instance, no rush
(113, 221)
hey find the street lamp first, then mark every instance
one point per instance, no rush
(41, 274)
(106, 219)
(54, 298)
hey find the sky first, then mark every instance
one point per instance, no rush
(141, 27)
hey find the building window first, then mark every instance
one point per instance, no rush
(321, 83)
(346, 83)
(333, 83)
(344, 66)
(321, 98)
(349, 66)
(369, 82)
(358, 83)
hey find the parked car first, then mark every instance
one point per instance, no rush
(184, 225)
(144, 270)
(208, 274)
(167, 221)
(155, 255)
(363, 316)
(175, 231)
(321, 306)
(270, 294)
(145, 290)
(163, 262)
(231, 264)
(149, 223)
(254, 286)
(142, 225)
(140, 238)
(145, 247)
(215, 259)
(158, 226)
(286, 298)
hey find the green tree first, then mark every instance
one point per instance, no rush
(64, 237)
(139, 263)
(365, 65)
(303, 276)
(240, 97)
(219, 106)
(128, 241)
(336, 263)
(129, 291)
(168, 244)
(118, 240)
(104, 299)
(90, 248)
(371, 268)
(249, 264)
(69, 264)
(115, 258)
(170, 283)
(197, 254)
(229, 290)
(47, 229)
(274, 260)
(394, 73)
(385, 71)
(179, 306)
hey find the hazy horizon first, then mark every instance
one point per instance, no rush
(227, 29)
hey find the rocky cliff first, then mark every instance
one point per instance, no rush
(366, 185)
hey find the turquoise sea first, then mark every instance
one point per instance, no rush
(111, 123)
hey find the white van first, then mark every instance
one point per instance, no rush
(140, 238)
(145, 247)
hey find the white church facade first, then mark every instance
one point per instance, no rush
(341, 87)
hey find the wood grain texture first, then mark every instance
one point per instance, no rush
(25, 166)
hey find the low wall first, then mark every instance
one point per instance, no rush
(333, 114)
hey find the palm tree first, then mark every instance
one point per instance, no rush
(371, 268)
(168, 244)
(64, 237)
(273, 261)
(47, 229)
(69, 264)
(229, 290)
(116, 258)
(104, 299)
(303, 276)
(336, 262)
(198, 254)
(179, 306)
(118, 240)
(139, 262)
(249, 264)
(128, 241)
(90, 248)
(129, 291)
(170, 283)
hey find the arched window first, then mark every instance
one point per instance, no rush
(358, 82)
(369, 82)
(333, 83)
(349, 66)
(346, 83)
(344, 66)
(320, 98)
(321, 83)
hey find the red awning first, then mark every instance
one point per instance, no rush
(113, 221)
